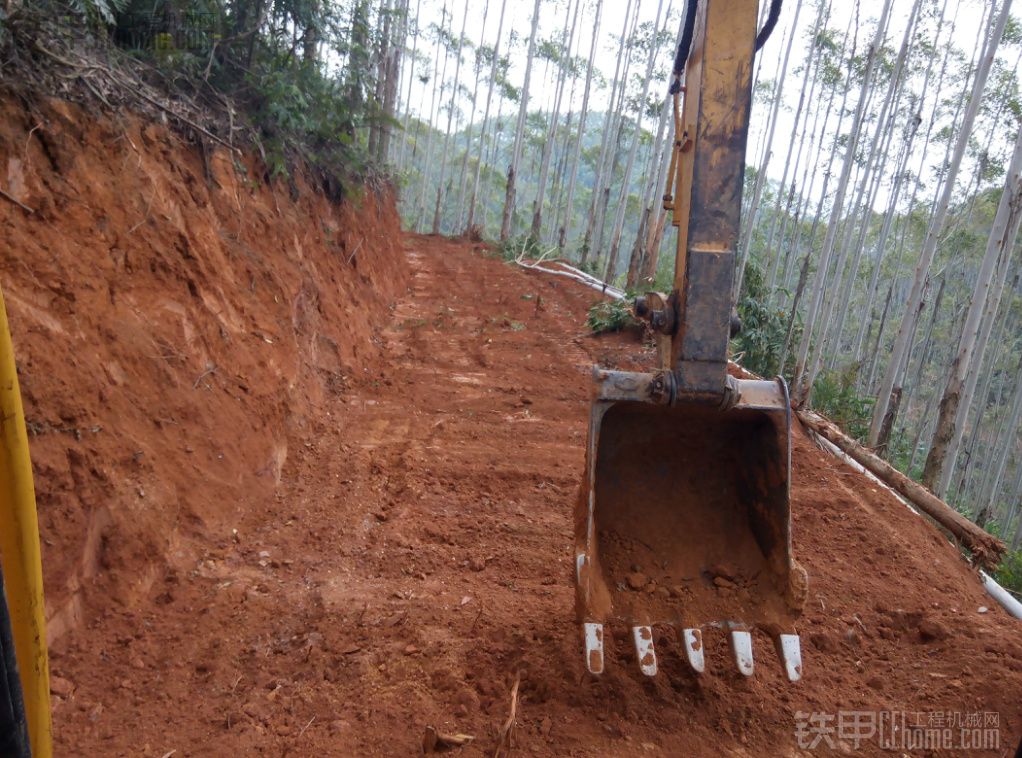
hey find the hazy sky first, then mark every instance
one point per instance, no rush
(968, 15)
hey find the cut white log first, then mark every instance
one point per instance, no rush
(985, 548)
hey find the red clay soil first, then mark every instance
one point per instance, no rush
(409, 555)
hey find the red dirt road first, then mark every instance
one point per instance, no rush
(416, 558)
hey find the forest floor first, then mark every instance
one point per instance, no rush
(416, 559)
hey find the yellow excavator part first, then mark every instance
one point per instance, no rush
(20, 553)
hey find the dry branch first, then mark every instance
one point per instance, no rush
(986, 549)
(507, 730)
(16, 202)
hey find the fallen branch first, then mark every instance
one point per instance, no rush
(181, 117)
(507, 730)
(16, 202)
(985, 548)
(355, 250)
(607, 289)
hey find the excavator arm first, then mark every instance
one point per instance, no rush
(683, 517)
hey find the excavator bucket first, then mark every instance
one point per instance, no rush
(683, 520)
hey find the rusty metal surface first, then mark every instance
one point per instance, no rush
(709, 163)
(683, 517)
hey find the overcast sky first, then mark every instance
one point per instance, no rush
(553, 14)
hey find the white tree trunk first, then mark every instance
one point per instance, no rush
(441, 190)
(904, 338)
(954, 404)
(619, 218)
(802, 388)
(516, 153)
(548, 143)
(471, 222)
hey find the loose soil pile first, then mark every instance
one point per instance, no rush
(358, 524)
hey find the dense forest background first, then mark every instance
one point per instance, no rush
(879, 267)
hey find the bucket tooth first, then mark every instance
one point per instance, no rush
(790, 649)
(644, 652)
(741, 645)
(693, 641)
(593, 635)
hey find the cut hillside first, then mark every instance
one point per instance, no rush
(176, 318)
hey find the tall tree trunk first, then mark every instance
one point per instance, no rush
(471, 222)
(757, 190)
(412, 60)
(569, 203)
(471, 121)
(606, 138)
(619, 218)
(393, 81)
(441, 189)
(516, 154)
(816, 56)
(548, 143)
(864, 199)
(660, 158)
(953, 406)
(376, 125)
(904, 337)
(1005, 445)
(438, 83)
(802, 388)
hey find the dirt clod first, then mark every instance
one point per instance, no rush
(637, 580)
(932, 630)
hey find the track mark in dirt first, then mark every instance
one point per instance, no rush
(417, 559)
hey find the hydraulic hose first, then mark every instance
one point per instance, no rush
(13, 724)
(769, 24)
(685, 44)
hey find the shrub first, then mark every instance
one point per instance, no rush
(610, 316)
(834, 395)
(759, 344)
(1009, 573)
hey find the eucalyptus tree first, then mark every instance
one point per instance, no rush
(902, 175)
(451, 109)
(956, 400)
(618, 123)
(516, 153)
(815, 56)
(802, 386)
(440, 33)
(876, 160)
(1006, 444)
(761, 174)
(605, 139)
(479, 61)
(412, 59)
(619, 218)
(494, 68)
(907, 327)
(657, 166)
(567, 209)
(564, 62)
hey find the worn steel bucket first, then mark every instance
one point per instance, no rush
(683, 519)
